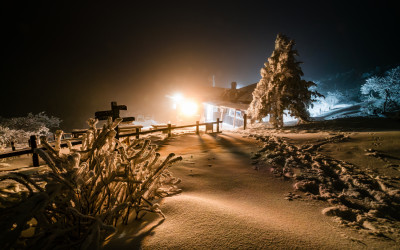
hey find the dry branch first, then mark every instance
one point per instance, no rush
(85, 193)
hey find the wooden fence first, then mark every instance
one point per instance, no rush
(33, 142)
(169, 128)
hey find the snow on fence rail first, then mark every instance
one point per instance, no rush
(33, 142)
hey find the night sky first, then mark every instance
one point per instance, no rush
(71, 58)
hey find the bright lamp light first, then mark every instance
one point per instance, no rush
(189, 108)
(178, 98)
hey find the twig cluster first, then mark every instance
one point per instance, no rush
(87, 192)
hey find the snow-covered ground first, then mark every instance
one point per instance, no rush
(331, 113)
(230, 200)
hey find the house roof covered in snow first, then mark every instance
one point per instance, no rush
(234, 98)
(209, 93)
(245, 94)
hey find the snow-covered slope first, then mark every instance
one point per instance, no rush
(341, 111)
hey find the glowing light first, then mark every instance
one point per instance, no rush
(184, 106)
(178, 98)
(189, 108)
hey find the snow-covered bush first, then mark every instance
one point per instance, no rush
(19, 129)
(323, 104)
(31, 122)
(334, 97)
(319, 107)
(382, 94)
(86, 192)
(5, 135)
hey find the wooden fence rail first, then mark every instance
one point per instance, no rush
(25, 151)
(33, 143)
(169, 129)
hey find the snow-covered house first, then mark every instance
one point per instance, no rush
(230, 105)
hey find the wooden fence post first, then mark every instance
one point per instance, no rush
(35, 156)
(217, 125)
(137, 133)
(244, 121)
(12, 145)
(169, 130)
(197, 127)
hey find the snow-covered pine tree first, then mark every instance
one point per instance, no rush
(281, 87)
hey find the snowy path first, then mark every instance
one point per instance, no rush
(227, 204)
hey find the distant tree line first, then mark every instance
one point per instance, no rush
(19, 129)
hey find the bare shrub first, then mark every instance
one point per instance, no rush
(86, 193)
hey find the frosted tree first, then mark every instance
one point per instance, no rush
(382, 94)
(19, 129)
(281, 87)
(31, 122)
